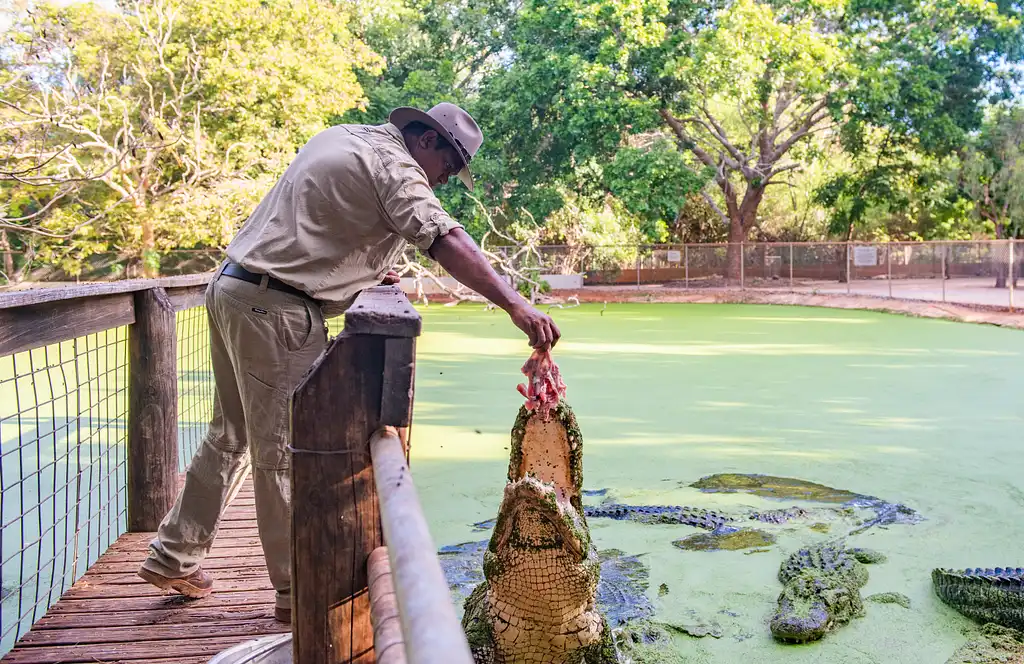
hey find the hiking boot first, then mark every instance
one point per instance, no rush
(197, 584)
(283, 614)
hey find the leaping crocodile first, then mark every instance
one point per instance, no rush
(992, 595)
(541, 569)
(821, 591)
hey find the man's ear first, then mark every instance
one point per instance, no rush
(428, 140)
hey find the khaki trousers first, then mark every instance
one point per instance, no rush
(262, 343)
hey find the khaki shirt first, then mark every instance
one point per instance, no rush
(341, 215)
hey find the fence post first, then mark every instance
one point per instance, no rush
(152, 411)
(849, 275)
(336, 521)
(942, 248)
(888, 264)
(791, 266)
(1010, 284)
(686, 263)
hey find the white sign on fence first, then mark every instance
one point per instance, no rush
(865, 256)
(674, 256)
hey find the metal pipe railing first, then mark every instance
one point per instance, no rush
(431, 631)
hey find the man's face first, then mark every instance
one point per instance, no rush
(439, 165)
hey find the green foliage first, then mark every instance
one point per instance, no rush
(609, 121)
(993, 172)
(607, 231)
(654, 184)
(161, 124)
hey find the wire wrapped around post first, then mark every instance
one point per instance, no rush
(388, 646)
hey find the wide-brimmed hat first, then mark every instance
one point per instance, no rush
(456, 125)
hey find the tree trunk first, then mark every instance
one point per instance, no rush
(734, 252)
(741, 220)
(5, 246)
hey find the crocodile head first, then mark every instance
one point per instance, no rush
(821, 591)
(533, 519)
(812, 604)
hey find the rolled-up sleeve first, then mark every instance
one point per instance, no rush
(410, 206)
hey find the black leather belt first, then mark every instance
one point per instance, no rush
(238, 272)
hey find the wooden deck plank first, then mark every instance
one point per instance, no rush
(138, 555)
(111, 615)
(212, 565)
(123, 652)
(82, 635)
(91, 590)
(217, 599)
(181, 615)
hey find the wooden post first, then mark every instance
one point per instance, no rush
(335, 512)
(152, 411)
(686, 263)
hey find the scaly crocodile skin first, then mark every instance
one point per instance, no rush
(821, 591)
(993, 595)
(537, 604)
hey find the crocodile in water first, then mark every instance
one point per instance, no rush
(537, 603)
(993, 595)
(821, 591)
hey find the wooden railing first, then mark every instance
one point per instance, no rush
(89, 414)
(366, 581)
(36, 318)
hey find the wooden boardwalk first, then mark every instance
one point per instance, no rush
(111, 615)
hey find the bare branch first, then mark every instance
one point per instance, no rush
(714, 206)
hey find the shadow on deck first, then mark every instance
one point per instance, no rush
(111, 615)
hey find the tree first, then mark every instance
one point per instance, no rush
(159, 125)
(993, 175)
(744, 86)
(925, 70)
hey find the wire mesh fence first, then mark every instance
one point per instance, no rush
(978, 273)
(63, 425)
(63, 470)
(195, 382)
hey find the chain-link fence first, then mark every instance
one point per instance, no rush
(980, 272)
(983, 272)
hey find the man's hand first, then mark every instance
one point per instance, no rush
(539, 328)
(458, 254)
(391, 278)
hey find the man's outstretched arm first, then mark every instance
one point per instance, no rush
(458, 254)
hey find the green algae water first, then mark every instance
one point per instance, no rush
(923, 413)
